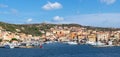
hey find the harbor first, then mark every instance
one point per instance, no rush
(59, 28)
(41, 44)
(61, 50)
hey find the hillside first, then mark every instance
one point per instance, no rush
(34, 29)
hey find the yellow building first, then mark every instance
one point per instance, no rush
(92, 37)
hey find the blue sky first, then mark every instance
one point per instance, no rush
(101, 13)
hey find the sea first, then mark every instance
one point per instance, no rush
(61, 50)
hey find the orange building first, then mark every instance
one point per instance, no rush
(72, 35)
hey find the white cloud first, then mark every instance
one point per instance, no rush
(3, 6)
(58, 18)
(29, 20)
(51, 6)
(108, 2)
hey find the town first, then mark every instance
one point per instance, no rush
(70, 35)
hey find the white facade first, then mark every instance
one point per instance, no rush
(103, 36)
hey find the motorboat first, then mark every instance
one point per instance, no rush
(9, 46)
(48, 42)
(91, 43)
(72, 43)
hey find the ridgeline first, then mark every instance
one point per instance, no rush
(35, 29)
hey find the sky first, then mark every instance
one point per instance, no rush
(100, 13)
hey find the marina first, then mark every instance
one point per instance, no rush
(41, 45)
(61, 50)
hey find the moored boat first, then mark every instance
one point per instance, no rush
(49, 42)
(9, 46)
(72, 43)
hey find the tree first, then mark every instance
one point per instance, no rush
(14, 39)
(0, 40)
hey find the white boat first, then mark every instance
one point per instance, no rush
(103, 45)
(9, 46)
(99, 43)
(72, 43)
(110, 42)
(91, 43)
(49, 42)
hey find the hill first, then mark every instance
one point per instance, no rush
(34, 29)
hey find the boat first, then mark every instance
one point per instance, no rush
(72, 43)
(41, 46)
(49, 42)
(110, 43)
(9, 46)
(91, 43)
(99, 44)
(104, 46)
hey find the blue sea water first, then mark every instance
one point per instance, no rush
(61, 50)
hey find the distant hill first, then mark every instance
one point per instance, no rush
(34, 29)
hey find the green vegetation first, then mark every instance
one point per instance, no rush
(14, 39)
(0, 40)
(33, 29)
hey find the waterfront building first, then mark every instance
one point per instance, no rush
(102, 36)
(92, 37)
